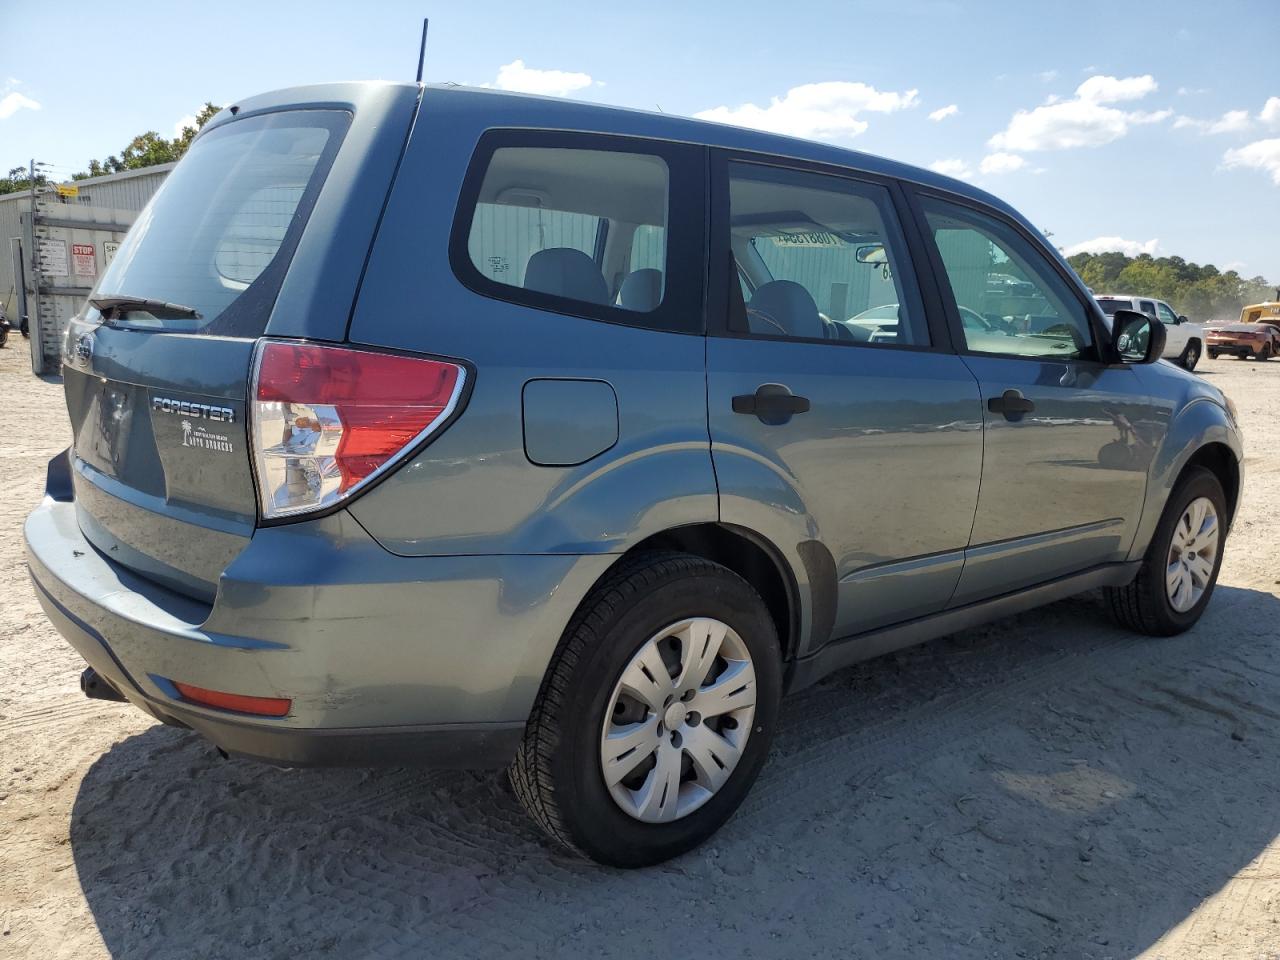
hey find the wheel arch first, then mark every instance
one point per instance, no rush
(1218, 459)
(751, 557)
(1202, 434)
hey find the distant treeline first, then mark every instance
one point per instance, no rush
(145, 150)
(1202, 293)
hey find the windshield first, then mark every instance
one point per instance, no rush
(219, 234)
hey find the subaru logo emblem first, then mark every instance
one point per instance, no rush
(84, 349)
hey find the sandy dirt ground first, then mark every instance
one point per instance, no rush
(1048, 786)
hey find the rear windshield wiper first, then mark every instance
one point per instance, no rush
(122, 303)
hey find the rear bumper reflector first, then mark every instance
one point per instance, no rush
(259, 706)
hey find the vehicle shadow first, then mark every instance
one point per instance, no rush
(1047, 785)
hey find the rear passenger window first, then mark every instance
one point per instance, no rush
(820, 258)
(580, 230)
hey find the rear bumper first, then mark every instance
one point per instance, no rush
(386, 659)
(1235, 349)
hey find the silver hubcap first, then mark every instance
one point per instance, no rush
(678, 720)
(1192, 554)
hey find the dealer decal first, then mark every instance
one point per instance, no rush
(194, 436)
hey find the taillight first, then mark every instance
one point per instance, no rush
(327, 420)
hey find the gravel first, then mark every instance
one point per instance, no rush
(1046, 786)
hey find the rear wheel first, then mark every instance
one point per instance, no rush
(1180, 569)
(656, 713)
(1191, 355)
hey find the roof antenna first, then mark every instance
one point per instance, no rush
(422, 48)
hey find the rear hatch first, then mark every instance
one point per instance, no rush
(157, 367)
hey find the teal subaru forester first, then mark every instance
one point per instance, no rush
(447, 426)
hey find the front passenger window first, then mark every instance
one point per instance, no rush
(1010, 299)
(1165, 314)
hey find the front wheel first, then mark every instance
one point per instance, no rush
(1180, 569)
(1265, 352)
(1213, 354)
(656, 713)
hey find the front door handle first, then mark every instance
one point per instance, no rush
(1012, 404)
(773, 403)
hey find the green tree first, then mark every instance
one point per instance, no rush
(1201, 292)
(148, 149)
(19, 179)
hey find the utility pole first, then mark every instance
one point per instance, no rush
(32, 313)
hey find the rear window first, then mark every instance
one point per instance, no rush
(219, 234)
(1109, 307)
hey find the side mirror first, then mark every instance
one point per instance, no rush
(1183, 319)
(1136, 337)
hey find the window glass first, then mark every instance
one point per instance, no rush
(540, 213)
(1010, 298)
(1147, 307)
(255, 232)
(220, 233)
(1166, 314)
(822, 258)
(648, 247)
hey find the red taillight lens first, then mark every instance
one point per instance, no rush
(262, 706)
(326, 419)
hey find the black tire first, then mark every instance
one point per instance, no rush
(556, 773)
(1143, 605)
(1191, 355)
(1264, 353)
(1213, 354)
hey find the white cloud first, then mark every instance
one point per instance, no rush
(1261, 155)
(517, 77)
(952, 167)
(950, 110)
(1233, 121)
(1084, 120)
(1104, 89)
(1048, 76)
(824, 111)
(11, 103)
(1270, 112)
(188, 121)
(1001, 163)
(1130, 248)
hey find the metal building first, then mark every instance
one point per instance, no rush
(55, 246)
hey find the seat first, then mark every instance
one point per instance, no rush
(641, 290)
(785, 308)
(566, 272)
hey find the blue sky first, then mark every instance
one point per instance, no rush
(1113, 125)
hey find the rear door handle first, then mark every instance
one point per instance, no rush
(1012, 404)
(772, 403)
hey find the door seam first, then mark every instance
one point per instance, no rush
(977, 499)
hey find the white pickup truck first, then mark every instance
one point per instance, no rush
(1184, 340)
